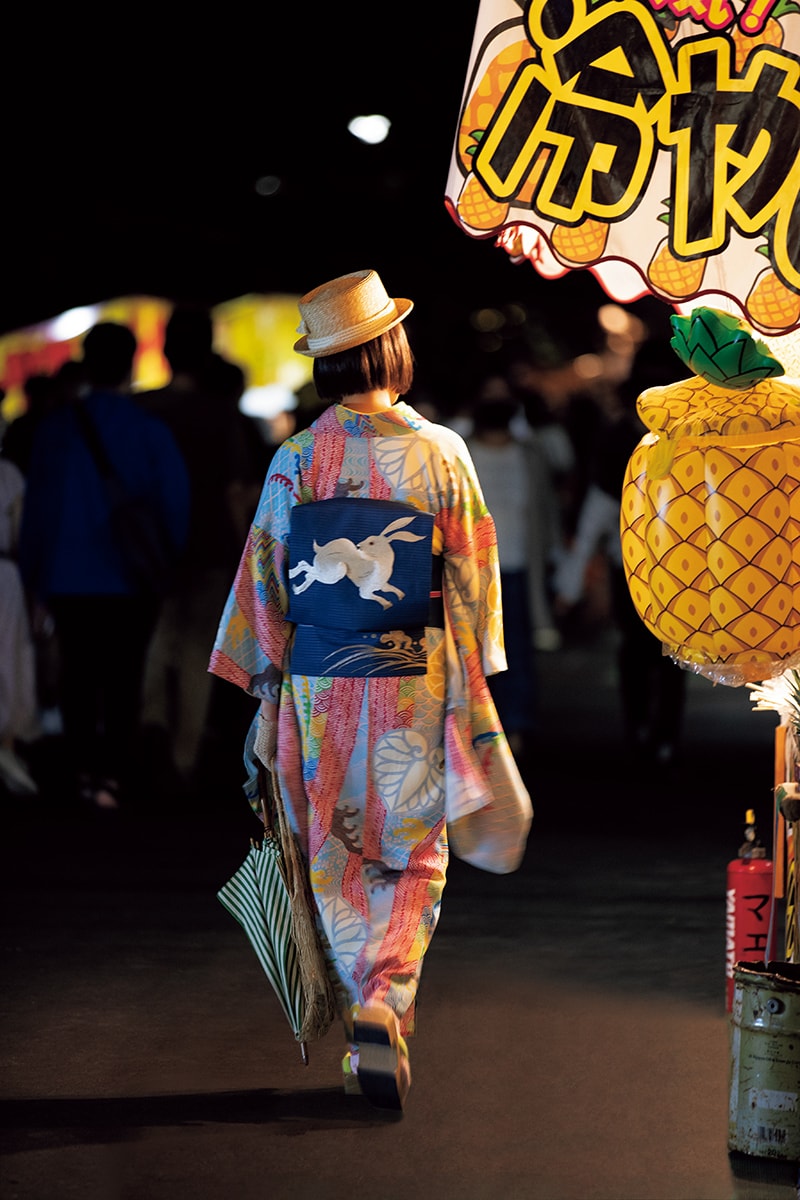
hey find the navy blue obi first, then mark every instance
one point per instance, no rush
(363, 584)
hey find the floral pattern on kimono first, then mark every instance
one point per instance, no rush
(369, 767)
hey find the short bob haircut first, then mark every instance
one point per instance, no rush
(384, 362)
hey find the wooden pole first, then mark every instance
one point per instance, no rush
(779, 822)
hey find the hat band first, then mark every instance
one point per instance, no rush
(356, 330)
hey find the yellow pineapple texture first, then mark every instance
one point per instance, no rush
(488, 93)
(770, 304)
(672, 277)
(580, 244)
(476, 207)
(770, 35)
(709, 543)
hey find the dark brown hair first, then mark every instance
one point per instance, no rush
(383, 362)
(108, 353)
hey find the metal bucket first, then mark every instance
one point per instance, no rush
(764, 1117)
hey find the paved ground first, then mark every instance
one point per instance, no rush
(573, 1042)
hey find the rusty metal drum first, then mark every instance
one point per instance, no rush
(764, 1114)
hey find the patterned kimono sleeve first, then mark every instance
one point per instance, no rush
(472, 568)
(253, 636)
(487, 806)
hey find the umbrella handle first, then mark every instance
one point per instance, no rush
(267, 799)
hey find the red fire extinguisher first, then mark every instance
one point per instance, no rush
(748, 905)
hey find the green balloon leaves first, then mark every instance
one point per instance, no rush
(721, 348)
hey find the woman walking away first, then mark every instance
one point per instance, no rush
(365, 615)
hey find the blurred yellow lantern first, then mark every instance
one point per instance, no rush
(710, 515)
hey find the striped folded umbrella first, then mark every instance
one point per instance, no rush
(268, 896)
(258, 898)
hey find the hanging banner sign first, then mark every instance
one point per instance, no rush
(654, 142)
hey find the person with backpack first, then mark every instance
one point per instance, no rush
(74, 561)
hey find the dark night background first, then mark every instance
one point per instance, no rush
(572, 1040)
(135, 146)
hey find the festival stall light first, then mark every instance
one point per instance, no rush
(487, 320)
(268, 185)
(73, 323)
(267, 402)
(42, 348)
(588, 367)
(613, 319)
(372, 129)
(257, 332)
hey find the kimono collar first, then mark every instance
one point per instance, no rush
(400, 418)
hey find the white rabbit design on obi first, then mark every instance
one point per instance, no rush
(368, 565)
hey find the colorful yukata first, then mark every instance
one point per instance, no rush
(372, 693)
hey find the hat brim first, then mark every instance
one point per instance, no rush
(403, 308)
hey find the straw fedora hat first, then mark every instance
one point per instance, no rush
(347, 312)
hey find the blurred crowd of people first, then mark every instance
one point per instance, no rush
(120, 678)
(551, 437)
(116, 673)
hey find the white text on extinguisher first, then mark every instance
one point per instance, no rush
(756, 941)
(730, 931)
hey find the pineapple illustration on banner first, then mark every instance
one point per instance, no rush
(655, 143)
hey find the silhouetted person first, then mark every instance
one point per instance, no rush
(514, 478)
(40, 397)
(72, 562)
(200, 406)
(652, 687)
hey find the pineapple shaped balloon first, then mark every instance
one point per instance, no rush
(710, 514)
